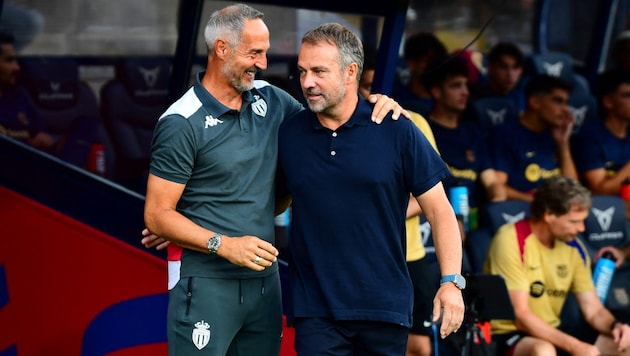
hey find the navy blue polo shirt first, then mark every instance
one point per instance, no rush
(227, 160)
(350, 190)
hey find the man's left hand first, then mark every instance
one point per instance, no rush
(450, 303)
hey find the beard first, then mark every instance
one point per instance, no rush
(238, 78)
(326, 101)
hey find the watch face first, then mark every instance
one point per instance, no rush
(460, 281)
(213, 243)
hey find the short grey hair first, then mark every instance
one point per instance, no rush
(228, 23)
(349, 45)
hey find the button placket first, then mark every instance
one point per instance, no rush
(333, 152)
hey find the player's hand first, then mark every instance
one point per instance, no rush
(618, 255)
(383, 105)
(448, 302)
(621, 336)
(149, 240)
(248, 251)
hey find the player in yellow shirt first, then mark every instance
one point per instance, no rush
(542, 261)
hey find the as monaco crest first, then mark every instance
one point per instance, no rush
(201, 334)
(259, 107)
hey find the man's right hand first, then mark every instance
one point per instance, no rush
(584, 349)
(149, 240)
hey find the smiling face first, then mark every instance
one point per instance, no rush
(248, 57)
(322, 79)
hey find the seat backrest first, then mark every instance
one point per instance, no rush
(493, 111)
(67, 105)
(131, 104)
(509, 211)
(555, 64)
(606, 223)
(558, 64)
(583, 106)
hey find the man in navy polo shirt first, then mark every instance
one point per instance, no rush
(350, 181)
(210, 191)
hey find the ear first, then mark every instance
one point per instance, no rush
(534, 101)
(351, 72)
(221, 48)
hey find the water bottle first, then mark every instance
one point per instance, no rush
(459, 199)
(603, 275)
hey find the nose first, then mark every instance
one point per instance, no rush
(261, 63)
(581, 227)
(306, 80)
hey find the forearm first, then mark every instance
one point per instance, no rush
(448, 242)
(174, 227)
(600, 319)
(567, 166)
(495, 191)
(531, 324)
(513, 194)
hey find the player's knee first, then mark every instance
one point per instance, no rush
(541, 348)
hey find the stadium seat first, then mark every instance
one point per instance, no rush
(606, 223)
(131, 104)
(558, 64)
(492, 111)
(429, 246)
(583, 106)
(494, 215)
(67, 105)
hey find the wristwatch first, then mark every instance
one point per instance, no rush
(214, 242)
(457, 279)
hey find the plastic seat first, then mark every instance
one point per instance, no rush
(558, 64)
(606, 223)
(67, 105)
(131, 104)
(494, 215)
(583, 106)
(493, 111)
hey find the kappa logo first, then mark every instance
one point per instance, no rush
(604, 217)
(150, 75)
(259, 107)
(201, 334)
(513, 218)
(553, 69)
(211, 121)
(496, 117)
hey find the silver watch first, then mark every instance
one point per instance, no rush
(457, 279)
(214, 242)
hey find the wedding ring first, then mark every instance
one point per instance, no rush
(257, 260)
